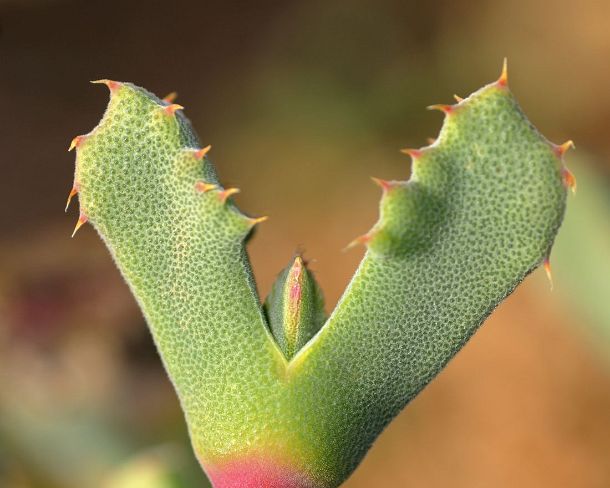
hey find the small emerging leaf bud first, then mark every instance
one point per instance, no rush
(295, 308)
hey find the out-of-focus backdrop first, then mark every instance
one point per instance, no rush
(302, 102)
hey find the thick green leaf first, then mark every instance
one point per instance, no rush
(479, 213)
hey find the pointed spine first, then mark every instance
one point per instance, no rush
(204, 187)
(112, 85)
(225, 194)
(561, 149)
(569, 180)
(82, 220)
(170, 97)
(503, 80)
(172, 109)
(76, 142)
(363, 240)
(201, 153)
(252, 221)
(413, 153)
(385, 185)
(73, 192)
(446, 109)
(547, 270)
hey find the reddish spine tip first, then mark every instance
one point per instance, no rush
(561, 149)
(360, 240)
(200, 154)
(414, 153)
(82, 220)
(203, 187)
(225, 194)
(171, 109)
(503, 80)
(385, 185)
(112, 85)
(447, 109)
(170, 97)
(547, 269)
(569, 180)
(73, 192)
(76, 142)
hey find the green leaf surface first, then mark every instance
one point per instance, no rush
(480, 212)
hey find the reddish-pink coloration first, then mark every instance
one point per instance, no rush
(224, 194)
(547, 269)
(203, 187)
(503, 80)
(170, 97)
(443, 108)
(295, 279)
(171, 109)
(563, 148)
(295, 292)
(73, 192)
(76, 142)
(258, 473)
(385, 185)
(414, 153)
(363, 239)
(112, 85)
(82, 219)
(569, 180)
(202, 152)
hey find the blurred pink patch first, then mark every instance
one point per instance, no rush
(258, 473)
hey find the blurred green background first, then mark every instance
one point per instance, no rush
(302, 102)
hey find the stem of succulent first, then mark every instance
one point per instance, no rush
(279, 395)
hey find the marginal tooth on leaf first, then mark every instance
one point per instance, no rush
(360, 240)
(256, 220)
(171, 109)
(547, 270)
(414, 153)
(561, 149)
(447, 109)
(385, 185)
(569, 180)
(203, 187)
(224, 194)
(170, 97)
(112, 85)
(458, 99)
(200, 154)
(73, 192)
(503, 80)
(77, 141)
(430, 140)
(82, 219)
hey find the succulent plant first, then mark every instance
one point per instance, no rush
(278, 395)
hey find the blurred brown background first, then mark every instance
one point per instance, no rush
(302, 101)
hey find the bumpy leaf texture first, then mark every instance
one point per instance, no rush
(267, 404)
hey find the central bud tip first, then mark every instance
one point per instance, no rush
(295, 307)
